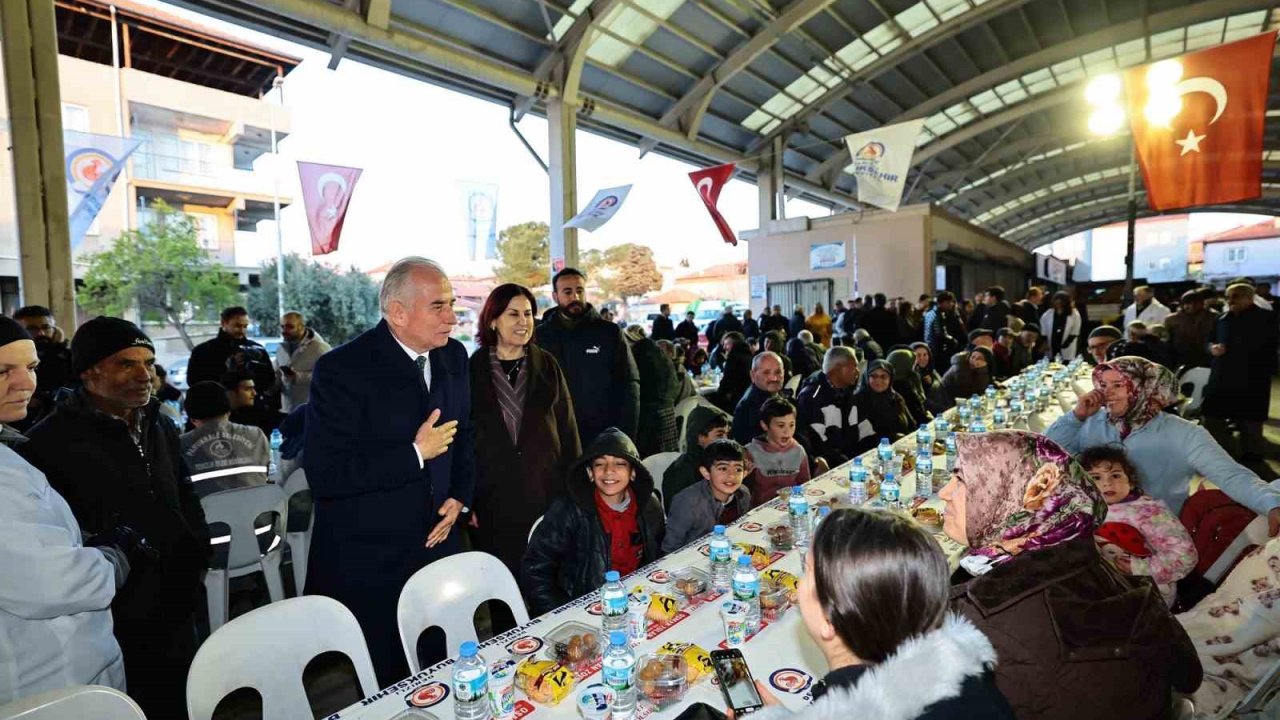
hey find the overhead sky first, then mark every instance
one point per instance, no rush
(416, 142)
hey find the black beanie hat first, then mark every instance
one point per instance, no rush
(102, 337)
(12, 331)
(206, 400)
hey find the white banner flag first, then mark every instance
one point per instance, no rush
(881, 159)
(600, 210)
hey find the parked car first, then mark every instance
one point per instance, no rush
(177, 370)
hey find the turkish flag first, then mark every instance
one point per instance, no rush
(1211, 152)
(708, 183)
(326, 191)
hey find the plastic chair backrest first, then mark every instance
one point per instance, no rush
(77, 701)
(446, 593)
(1191, 383)
(658, 463)
(239, 508)
(268, 649)
(295, 483)
(792, 386)
(683, 409)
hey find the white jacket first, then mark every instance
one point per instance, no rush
(55, 594)
(303, 362)
(921, 672)
(1070, 334)
(1155, 313)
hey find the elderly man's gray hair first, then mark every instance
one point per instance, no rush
(758, 360)
(836, 357)
(395, 285)
(805, 336)
(860, 335)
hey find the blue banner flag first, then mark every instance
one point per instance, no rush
(93, 164)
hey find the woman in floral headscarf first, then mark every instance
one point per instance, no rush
(1075, 638)
(1125, 408)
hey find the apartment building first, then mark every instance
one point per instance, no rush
(196, 98)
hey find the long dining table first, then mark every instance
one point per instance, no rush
(780, 653)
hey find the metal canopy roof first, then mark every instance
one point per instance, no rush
(999, 81)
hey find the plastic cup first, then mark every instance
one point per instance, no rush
(502, 689)
(784, 494)
(734, 614)
(595, 702)
(637, 617)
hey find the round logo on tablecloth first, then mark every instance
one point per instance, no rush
(751, 526)
(705, 550)
(428, 695)
(790, 680)
(524, 645)
(660, 577)
(813, 492)
(595, 608)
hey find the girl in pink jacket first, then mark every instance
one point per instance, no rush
(1140, 536)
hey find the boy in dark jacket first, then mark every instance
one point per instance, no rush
(719, 500)
(609, 520)
(704, 426)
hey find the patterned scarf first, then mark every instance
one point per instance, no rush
(1023, 493)
(510, 397)
(1151, 389)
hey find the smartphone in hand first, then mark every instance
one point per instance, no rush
(736, 684)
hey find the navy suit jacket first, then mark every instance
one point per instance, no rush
(374, 506)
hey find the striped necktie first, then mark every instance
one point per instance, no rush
(421, 362)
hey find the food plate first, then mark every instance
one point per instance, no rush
(562, 648)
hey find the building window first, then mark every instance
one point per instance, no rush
(1236, 254)
(75, 117)
(206, 230)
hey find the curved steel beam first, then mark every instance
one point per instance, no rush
(1114, 35)
(1119, 213)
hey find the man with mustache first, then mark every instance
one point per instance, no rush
(116, 460)
(597, 363)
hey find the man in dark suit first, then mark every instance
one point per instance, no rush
(663, 329)
(390, 455)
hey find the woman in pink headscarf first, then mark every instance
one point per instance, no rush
(1076, 639)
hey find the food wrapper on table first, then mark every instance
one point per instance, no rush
(545, 681)
(697, 660)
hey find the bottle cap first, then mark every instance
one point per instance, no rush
(617, 637)
(611, 576)
(718, 530)
(744, 560)
(468, 649)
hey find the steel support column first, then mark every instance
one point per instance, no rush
(562, 169)
(30, 49)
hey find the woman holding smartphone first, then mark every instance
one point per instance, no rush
(874, 600)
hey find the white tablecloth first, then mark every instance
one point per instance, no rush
(781, 654)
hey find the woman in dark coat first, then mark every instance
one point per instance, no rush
(969, 376)
(803, 363)
(928, 374)
(879, 403)
(908, 385)
(659, 387)
(735, 380)
(526, 434)
(1076, 639)
(797, 323)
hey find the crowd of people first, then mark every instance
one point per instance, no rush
(532, 449)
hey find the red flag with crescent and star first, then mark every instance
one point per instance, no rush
(326, 191)
(1211, 151)
(708, 184)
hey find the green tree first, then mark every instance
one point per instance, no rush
(161, 270)
(524, 253)
(339, 305)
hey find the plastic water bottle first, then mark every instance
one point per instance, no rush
(999, 419)
(924, 437)
(613, 604)
(941, 426)
(746, 588)
(885, 454)
(798, 510)
(276, 441)
(470, 685)
(979, 425)
(951, 452)
(890, 491)
(990, 397)
(619, 673)
(721, 559)
(924, 473)
(857, 483)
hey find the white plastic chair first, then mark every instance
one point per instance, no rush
(658, 463)
(446, 593)
(239, 508)
(683, 409)
(792, 386)
(268, 649)
(1191, 383)
(1255, 533)
(77, 701)
(298, 535)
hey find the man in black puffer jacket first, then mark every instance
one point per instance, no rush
(597, 363)
(609, 520)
